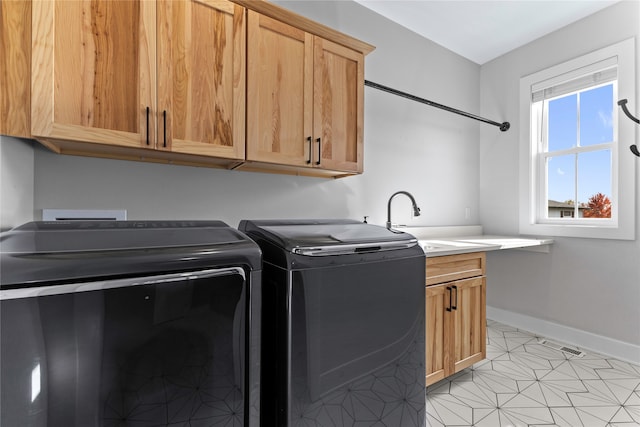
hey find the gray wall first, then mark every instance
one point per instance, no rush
(16, 181)
(589, 284)
(408, 146)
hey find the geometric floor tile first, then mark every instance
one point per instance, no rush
(523, 383)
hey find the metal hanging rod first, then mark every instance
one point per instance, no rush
(504, 126)
(623, 104)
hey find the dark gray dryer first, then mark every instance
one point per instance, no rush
(129, 324)
(343, 325)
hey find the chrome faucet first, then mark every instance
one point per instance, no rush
(416, 209)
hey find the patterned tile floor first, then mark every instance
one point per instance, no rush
(524, 383)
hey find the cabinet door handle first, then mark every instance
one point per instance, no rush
(450, 293)
(310, 149)
(319, 151)
(164, 122)
(455, 307)
(147, 125)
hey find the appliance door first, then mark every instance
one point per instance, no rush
(357, 344)
(160, 350)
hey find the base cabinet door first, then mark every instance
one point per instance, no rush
(469, 323)
(436, 365)
(455, 327)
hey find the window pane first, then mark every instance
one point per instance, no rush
(596, 116)
(594, 183)
(560, 184)
(563, 123)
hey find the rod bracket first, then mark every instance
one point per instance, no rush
(623, 104)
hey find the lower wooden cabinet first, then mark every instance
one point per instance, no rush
(455, 315)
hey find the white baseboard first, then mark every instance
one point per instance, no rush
(571, 336)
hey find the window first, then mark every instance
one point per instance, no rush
(575, 137)
(577, 174)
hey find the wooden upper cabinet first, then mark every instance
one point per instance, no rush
(201, 77)
(93, 71)
(161, 75)
(15, 64)
(227, 83)
(279, 92)
(305, 98)
(338, 108)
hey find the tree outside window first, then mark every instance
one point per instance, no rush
(599, 206)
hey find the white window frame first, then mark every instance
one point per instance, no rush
(540, 136)
(532, 219)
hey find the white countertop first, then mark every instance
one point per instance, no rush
(481, 243)
(440, 241)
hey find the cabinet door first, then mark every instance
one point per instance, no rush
(93, 72)
(338, 106)
(437, 333)
(279, 92)
(15, 64)
(469, 320)
(201, 77)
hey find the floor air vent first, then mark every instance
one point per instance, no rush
(560, 347)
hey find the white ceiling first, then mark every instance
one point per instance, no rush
(481, 30)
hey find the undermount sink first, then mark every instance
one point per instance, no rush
(443, 247)
(430, 248)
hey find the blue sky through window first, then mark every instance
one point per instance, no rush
(583, 119)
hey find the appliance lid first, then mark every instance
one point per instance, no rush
(43, 253)
(327, 237)
(84, 236)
